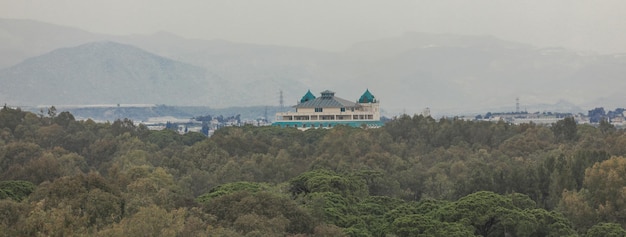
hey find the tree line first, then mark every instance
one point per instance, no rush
(415, 176)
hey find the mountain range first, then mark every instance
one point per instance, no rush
(105, 73)
(42, 63)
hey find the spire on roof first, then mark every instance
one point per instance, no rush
(367, 97)
(308, 96)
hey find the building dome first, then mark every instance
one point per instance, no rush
(367, 97)
(307, 97)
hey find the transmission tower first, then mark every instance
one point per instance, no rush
(281, 101)
(517, 105)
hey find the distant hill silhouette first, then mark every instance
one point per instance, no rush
(22, 39)
(446, 72)
(105, 73)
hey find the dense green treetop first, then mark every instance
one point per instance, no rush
(415, 176)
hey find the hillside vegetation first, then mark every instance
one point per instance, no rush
(416, 176)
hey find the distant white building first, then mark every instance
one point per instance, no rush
(328, 111)
(540, 120)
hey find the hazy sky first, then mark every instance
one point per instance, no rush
(589, 25)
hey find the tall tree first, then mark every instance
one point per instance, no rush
(565, 129)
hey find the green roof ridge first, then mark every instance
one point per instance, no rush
(367, 97)
(307, 97)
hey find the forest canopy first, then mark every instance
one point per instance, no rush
(415, 176)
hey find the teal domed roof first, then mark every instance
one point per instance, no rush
(367, 97)
(307, 97)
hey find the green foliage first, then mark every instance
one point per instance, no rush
(372, 210)
(522, 201)
(606, 127)
(486, 212)
(230, 188)
(328, 181)
(565, 129)
(420, 225)
(64, 119)
(17, 153)
(10, 216)
(414, 176)
(230, 208)
(150, 221)
(15, 189)
(331, 208)
(90, 198)
(606, 230)
(10, 118)
(490, 214)
(551, 223)
(167, 137)
(162, 138)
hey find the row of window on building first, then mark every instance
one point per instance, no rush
(330, 117)
(319, 110)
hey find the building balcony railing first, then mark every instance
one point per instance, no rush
(323, 113)
(326, 117)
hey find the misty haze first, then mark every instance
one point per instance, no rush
(312, 118)
(452, 70)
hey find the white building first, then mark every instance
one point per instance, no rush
(328, 111)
